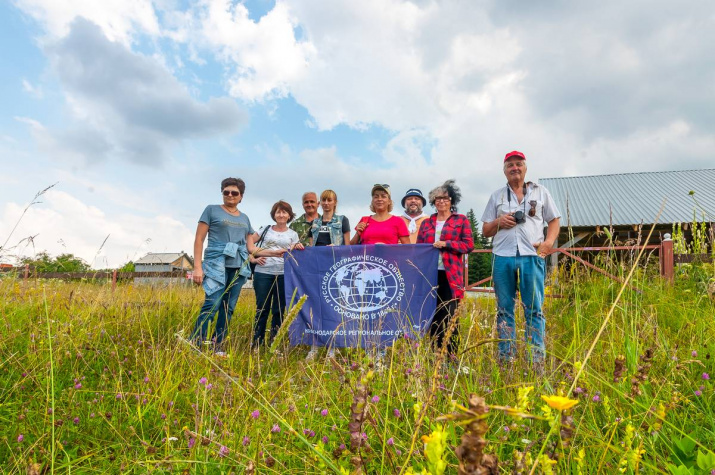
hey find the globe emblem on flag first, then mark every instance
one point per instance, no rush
(363, 286)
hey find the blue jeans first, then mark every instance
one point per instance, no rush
(223, 300)
(530, 272)
(270, 298)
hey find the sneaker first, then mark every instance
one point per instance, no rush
(312, 354)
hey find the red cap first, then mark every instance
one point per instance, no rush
(514, 154)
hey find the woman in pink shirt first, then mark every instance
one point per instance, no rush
(381, 227)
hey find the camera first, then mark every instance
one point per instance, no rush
(519, 217)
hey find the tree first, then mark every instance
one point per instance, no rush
(43, 262)
(480, 264)
(128, 267)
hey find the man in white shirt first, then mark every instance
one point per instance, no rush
(515, 217)
(413, 202)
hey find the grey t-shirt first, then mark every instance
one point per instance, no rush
(224, 227)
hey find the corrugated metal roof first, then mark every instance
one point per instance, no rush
(634, 198)
(160, 258)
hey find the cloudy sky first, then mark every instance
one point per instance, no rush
(137, 109)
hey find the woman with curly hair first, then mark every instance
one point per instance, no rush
(451, 233)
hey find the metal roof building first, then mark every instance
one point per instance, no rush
(630, 199)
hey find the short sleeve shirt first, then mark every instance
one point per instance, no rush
(383, 232)
(523, 236)
(276, 240)
(225, 227)
(324, 232)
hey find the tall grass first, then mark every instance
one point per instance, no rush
(95, 381)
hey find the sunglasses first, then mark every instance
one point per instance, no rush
(383, 185)
(532, 211)
(231, 193)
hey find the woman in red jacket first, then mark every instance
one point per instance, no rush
(451, 233)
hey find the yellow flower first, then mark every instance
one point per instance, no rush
(559, 403)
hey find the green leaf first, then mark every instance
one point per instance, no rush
(706, 461)
(679, 470)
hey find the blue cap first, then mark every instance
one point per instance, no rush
(414, 192)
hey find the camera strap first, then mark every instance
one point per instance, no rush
(509, 192)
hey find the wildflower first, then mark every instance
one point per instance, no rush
(596, 398)
(398, 452)
(146, 379)
(172, 439)
(396, 413)
(163, 416)
(342, 447)
(203, 381)
(256, 414)
(325, 439)
(390, 441)
(76, 420)
(118, 396)
(49, 410)
(209, 386)
(324, 412)
(578, 390)
(376, 399)
(435, 445)
(559, 403)
(246, 440)
(78, 386)
(276, 429)
(694, 354)
(698, 393)
(223, 451)
(20, 438)
(706, 376)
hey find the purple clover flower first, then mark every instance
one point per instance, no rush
(376, 399)
(694, 354)
(192, 442)
(698, 393)
(324, 412)
(203, 381)
(20, 438)
(76, 421)
(390, 441)
(245, 440)
(596, 398)
(256, 414)
(706, 376)
(223, 451)
(276, 429)
(78, 386)
(325, 439)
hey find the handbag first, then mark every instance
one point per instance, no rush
(252, 265)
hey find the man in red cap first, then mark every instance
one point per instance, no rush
(515, 217)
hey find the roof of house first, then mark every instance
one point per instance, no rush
(161, 258)
(634, 198)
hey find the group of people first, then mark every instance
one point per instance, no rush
(515, 217)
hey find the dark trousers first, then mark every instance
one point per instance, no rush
(446, 308)
(270, 298)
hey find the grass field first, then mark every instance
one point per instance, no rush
(95, 381)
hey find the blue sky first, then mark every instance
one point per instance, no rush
(138, 109)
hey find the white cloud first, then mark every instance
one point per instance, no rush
(118, 19)
(62, 223)
(34, 91)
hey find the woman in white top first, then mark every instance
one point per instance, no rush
(268, 276)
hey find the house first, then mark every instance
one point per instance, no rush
(628, 204)
(163, 262)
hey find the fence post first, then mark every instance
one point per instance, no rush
(114, 280)
(666, 258)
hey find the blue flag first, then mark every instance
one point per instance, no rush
(362, 296)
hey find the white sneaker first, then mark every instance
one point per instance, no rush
(312, 354)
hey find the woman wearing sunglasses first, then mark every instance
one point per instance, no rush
(382, 227)
(451, 233)
(224, 269)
